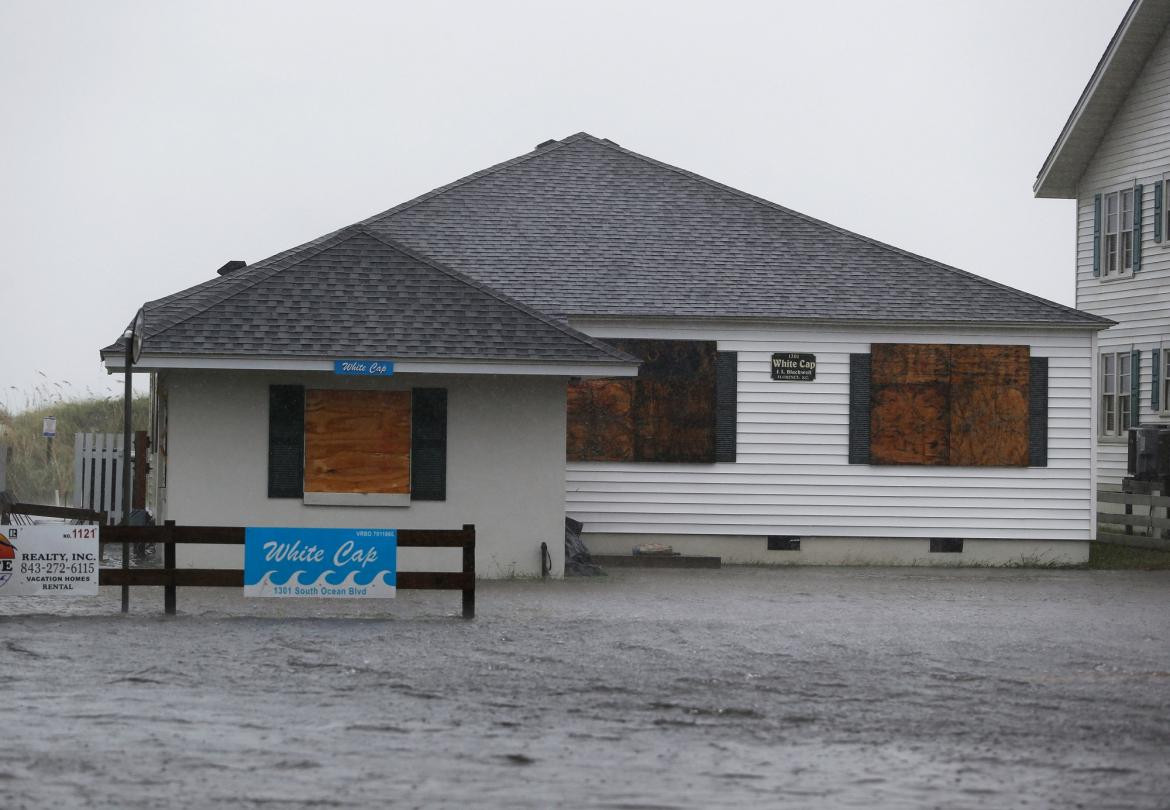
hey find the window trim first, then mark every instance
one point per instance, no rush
(1116, 194)
(1123, 369)
(1164, 181)
(1164, 363)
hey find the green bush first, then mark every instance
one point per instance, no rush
(33, 479)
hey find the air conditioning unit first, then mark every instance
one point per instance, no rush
(1149, 453)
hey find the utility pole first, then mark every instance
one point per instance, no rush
(133, 337)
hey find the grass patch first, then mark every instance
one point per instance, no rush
(1105, 556)
(32, 477)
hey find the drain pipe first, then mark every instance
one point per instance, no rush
(545, 561)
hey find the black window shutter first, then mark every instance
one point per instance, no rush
(1135, 388)
(1038, 412)
(1156, 380)
(1158, 211)
(428, 444)
(1137, 227)
(1096, 234)
(859, 390)
(286, 441)
(726, 403)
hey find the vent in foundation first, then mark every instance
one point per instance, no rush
(783, 542)
(946, 545)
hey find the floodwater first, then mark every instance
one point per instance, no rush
(745, 687)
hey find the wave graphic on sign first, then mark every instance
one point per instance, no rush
(327, 577)
(372, 585)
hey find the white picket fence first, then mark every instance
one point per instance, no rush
(97, 473)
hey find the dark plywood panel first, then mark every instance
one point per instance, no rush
(601, 420)
(989, 406)
(357, 441)
(667, 414)
(910, 403)
(910, 424)
(674, 403)
(949, 404)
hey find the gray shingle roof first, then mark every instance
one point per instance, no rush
(578, 227)
(353, 294)
(585, 227)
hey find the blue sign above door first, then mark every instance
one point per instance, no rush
(364, 368)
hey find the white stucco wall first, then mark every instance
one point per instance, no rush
(505, 467)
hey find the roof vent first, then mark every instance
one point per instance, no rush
(231, 267)
(546, 143)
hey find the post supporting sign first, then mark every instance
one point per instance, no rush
(48, 560)
(320, 563)
(794, 367)
(364, 368)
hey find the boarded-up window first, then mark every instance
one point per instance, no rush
(357, 441)
(957, 405)
(601, 420)
(666, 414)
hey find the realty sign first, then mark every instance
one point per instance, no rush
(330, 563)
(48, 560)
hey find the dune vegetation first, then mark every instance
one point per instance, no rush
(31, 476)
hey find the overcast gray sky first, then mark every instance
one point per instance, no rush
(146, 143)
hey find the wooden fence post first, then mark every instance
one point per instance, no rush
(169, 566)
(469, 571)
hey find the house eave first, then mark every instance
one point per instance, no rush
(592, 321)
(114, 363)
(1120, 65)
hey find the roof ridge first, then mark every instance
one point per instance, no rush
(321, 244)
(499, 296)
(471, 178)
(837, 228)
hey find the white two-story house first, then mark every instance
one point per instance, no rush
(1113, 158)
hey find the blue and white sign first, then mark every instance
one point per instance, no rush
(364, 368)
(321, 563)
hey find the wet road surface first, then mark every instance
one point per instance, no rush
(745, 687)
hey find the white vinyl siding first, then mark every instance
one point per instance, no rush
(1136, 149)
(793, 476)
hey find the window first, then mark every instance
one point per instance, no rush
(357, 443)
(1164, 213)
(1116, 388)
(681, 408)
(1164, 378)
(948, 405)
(357, 447)
(1117, 252)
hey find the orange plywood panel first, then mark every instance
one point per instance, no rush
(357, 441)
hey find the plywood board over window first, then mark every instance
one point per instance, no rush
(601, 420)
(949, 404)
(667, 414)
(357, 442)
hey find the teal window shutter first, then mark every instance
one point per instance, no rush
(1158, 211)
(1137, 227)
(1096, 234)
(1155, 380)
(1135, 388)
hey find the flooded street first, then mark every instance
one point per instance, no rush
(743, 687)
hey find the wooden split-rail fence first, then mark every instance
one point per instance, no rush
(1144, 521)
(171, 577)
